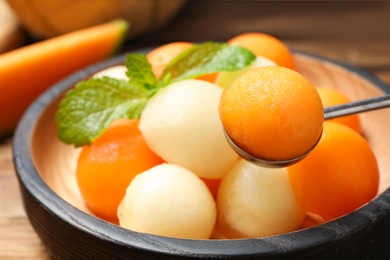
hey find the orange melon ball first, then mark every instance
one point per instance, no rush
(160, 57)
(333, 97)
(338, 176)
(268, 46)
(208, 77)
(107, 166)
(272, 113)
(213, 185)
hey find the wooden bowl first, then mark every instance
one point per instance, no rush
(45, 168)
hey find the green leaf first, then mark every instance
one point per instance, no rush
(140, 71)
(88, 109)
(92, 105)
(164, 81)
(208, 58)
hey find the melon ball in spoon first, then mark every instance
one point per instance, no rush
(181, 124)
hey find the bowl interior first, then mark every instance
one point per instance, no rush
(56, 161)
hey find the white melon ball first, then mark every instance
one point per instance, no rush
(254, 202)
(117, 72)
(168, 200)
(224, 78)
(181, 124)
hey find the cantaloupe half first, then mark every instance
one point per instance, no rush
(28, 71)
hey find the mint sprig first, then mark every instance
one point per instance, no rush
(139, 71)
(208, 58)
(93, 104)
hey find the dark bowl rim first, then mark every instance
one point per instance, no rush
(313, 237)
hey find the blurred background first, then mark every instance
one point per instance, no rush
(349, 30)
(337, 29)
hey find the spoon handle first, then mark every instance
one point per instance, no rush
(357, 107)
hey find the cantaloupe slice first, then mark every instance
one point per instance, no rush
(28, 71)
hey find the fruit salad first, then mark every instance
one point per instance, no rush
(155, 159)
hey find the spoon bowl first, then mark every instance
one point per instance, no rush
(265, 162)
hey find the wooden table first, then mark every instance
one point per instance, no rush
(353, 32)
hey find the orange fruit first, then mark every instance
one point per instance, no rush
(272, 112)
(161, 56)
(213, 185)
(338, 176)
(209, 77)
(311, 220)
(332, 97)
(107, 166)
(268, 46)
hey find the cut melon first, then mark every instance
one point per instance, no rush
(48, 18)
(28, 71)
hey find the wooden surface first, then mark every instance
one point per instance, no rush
(353, 32)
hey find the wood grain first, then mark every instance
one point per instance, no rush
(355, 32)
(17, 238)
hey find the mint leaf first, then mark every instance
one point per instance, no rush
(88, 109)
(92, 105)
(208, 58)
(140, 71)
(164, 81)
